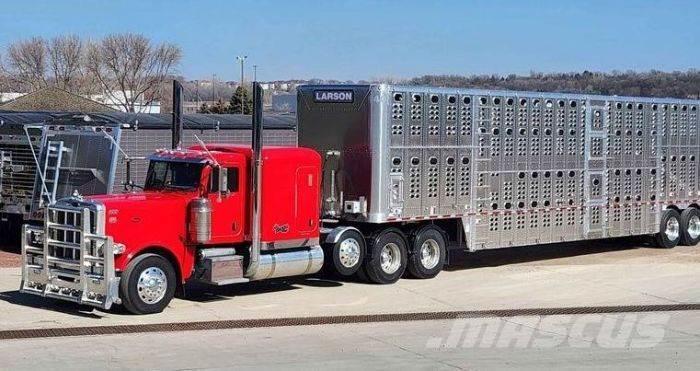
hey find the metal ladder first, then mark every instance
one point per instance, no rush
(51, 172)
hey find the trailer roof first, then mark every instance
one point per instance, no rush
(9, 117)
(516, 93)
(537, 94)
(150, 120)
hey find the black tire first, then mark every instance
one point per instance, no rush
(662, 239)
(393, 240)
(690, 218)
(344, 258)
(129, 290)
(433, 237)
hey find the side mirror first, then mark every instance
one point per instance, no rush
(223, 179)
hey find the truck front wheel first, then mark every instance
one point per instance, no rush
(148, 284)
(388, 257)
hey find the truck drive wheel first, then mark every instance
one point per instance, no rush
(345, 257)
(690, 226)
(427, 256)
(670, 230)
(387, 258)
(148, 284)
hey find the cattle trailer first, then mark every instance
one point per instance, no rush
(503, 168)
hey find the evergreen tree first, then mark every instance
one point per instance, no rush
(241, 102)
(220, 107)
(204, 109)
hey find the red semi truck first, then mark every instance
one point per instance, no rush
(384, 181)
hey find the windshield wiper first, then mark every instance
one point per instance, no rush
(174, 186)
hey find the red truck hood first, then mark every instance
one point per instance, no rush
(146, 218)
(144, 205)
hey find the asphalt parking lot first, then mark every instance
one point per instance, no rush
(597, 274)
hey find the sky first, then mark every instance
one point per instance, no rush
(361, 39)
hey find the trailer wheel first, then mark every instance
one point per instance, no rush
(670, 230)
(345, 257)
(388, 256)
(428, 253)
(148, 284)
(690, 226)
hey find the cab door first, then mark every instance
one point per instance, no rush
(306, 200)
(228, 217)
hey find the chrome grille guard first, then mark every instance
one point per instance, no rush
(70, 257)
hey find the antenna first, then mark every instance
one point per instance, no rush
(204, 146)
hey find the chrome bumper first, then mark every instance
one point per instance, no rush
(70, 258)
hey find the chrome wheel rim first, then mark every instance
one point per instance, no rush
(152, 285)
(429, 254)
(672, 229)
(349, 252)
(694, 227)
(390, 258)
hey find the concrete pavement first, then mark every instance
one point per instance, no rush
(406, 345)
(582, 274)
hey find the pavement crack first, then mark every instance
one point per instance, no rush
(428, 297)
(607, 284)
(421, 355)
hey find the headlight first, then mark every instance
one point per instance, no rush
(119, 248)
(36, 238)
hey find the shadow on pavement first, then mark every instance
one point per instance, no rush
(199, 292)
(525, 254)
(37, 302)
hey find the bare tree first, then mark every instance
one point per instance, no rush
(27, 62)
(130, 69)
(65, 61)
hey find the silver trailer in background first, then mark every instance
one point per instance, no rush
(79, 152)
(494, 169)
(21, 136)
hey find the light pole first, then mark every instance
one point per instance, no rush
(213, 87)
(255, 72)
(242, 59)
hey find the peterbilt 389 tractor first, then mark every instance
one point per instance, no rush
(385, 181)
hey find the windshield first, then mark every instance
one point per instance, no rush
(173, 175)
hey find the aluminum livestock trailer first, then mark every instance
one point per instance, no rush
(492, 169)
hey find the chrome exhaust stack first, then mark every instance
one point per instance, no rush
(278, 264)
(176, 135)
(256, 180)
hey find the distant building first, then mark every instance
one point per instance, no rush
(284, 103)
(8, 96)
(116, 100)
